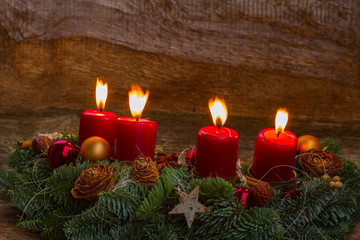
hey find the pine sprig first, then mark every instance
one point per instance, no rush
(134, 211)
(21, 159)
(31, 224)
(333, 145)
(120, 202)
(158, 194)
(62, 181)
(210, 188)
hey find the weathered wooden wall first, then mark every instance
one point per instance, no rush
(256, 54)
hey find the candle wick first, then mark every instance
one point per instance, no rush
(278, 134)
(218, 127)
(101, 109)
(137, 119)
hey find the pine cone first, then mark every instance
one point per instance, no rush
(164, 160)
(40, 143)
(144, 171)
(95, 180)
(320, 163)
(260, 194)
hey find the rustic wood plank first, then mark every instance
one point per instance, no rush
(258, 55)
(305, 36)
(65, 70)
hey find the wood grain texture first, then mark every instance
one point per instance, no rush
(257, 55)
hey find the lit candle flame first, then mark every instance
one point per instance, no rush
(137, 100)
(101, 94)
(281, 120)
(218, 111)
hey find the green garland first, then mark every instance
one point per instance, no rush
(132, 211)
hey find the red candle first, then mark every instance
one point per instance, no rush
(98, 122)
(135, 136)
(275, 151)
(216, 146)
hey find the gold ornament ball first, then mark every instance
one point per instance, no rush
(95, 149)
(326, 177)
(338, 185)
(332, 185)
(336, 179)
(307, 142)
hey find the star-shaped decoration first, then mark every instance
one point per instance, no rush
(189, 205)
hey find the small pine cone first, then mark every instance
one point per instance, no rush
(41, 143)
(320, 163)
(260, 194)
(95, 180)
(144, 171)
(164, 160)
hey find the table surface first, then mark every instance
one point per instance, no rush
(176, 132)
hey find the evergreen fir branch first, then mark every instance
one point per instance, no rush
(163, 229)
(21, 159)
(158, 194)
(94, 223)
(307, 207)
(133, 230)
(351, 176)
(339, 209)
(178, 176)
(62, 181)
(33, 198)
(6, 181)
(122, 203)
(52, 227)
(229, 220)
(313, 232)
(31, 224)
(134, 211)
(210, 188)
(333, 145)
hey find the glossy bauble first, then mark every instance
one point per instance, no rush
(307, 142)
(62, 152)
(242, 193)
(95, 149)
(190, 158)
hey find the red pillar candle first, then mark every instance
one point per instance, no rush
(274, 156)
(216, 146)
(98, 122)
(216, 152)
(135, 136)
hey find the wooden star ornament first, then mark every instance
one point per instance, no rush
(189, 205)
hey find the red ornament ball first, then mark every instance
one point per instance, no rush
(191, 157)
(62, 152)
(242, 193)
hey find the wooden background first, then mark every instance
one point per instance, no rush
(258, 55)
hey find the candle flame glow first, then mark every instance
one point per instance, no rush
(137, 100)
(281, 120)
(101, 93)
(218, 111)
